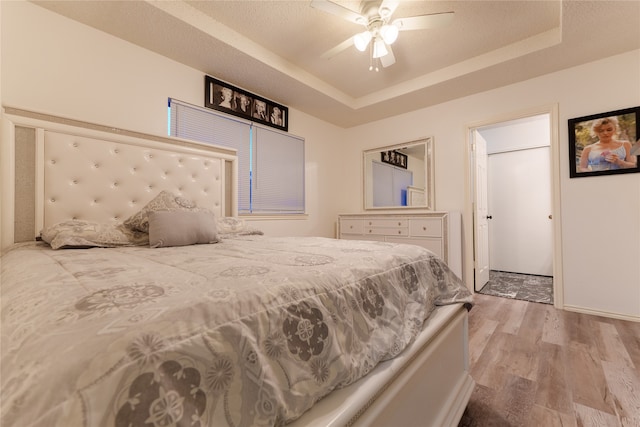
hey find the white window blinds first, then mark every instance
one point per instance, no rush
(271, 163)
(278, 172)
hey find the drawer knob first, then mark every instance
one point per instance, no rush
(399, 231)
(424, 228)
(399, 223)
(369, 222)
(370, 231)
(351, 226)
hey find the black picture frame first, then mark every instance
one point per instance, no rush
(222, 96)
(583, 160)
(394, 158)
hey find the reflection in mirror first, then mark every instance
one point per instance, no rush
(399, 176)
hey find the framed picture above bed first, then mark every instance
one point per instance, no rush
(229, 99)
(605, 143)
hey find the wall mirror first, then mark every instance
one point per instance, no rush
(399, 176)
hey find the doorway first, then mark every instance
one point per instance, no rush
(512, 176)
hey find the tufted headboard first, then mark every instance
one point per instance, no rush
(91, 172)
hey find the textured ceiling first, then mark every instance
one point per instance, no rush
(274, 48)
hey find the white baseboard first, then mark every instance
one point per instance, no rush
(602, 313)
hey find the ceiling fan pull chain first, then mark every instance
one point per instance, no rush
(372, 59)
(370, 56)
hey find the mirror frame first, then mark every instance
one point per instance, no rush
(429, 175)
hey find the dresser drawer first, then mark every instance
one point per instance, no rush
(386, 231)
(385, 222)
(351, 226)
(428, 227)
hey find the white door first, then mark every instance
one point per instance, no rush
(481, 229)
(521, 232)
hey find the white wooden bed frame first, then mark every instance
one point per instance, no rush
(92, 172)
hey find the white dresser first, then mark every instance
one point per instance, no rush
(440, 232)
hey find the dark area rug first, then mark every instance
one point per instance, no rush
(525, 287)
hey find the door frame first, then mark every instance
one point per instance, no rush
(469, 264)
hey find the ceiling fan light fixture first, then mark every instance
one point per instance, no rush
(379, 49)
(389, 33)
(382, 31)
(361, 40)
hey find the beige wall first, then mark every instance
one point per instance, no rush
(53, 65)
(601, 272)
(2, 148)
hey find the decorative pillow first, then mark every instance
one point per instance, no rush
(164, 201)
(231, 226)
(181, 228)
(87, 234)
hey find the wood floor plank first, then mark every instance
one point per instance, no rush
(611, 346)
(538, 366)
(509, 355)
(479, 337)
(512, 316)
(589, 417)
(586, 376)
(543, 416)
(553, 330)
(522, 358)
(532, 326)
(516, 399)
(630, 335)
(624, 383)
(578, 327)
(487, 368)
(481, 410)
(553, 391)
(487, 307)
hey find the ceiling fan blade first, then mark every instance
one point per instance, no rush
(337, 49)
(421, 22)
(339, 11)
(389, 58)
(390, 5)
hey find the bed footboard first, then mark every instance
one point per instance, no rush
(428, 385)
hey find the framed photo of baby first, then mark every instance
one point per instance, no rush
(605, 143)
(221, 96)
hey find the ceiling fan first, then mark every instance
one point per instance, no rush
(380, 31)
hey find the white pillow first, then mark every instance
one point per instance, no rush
(232, 226)
(88, 234)
(164, 201)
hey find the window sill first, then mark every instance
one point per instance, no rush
(275, 217)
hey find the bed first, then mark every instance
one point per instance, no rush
(116, 318)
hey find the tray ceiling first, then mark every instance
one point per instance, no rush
(274, 48)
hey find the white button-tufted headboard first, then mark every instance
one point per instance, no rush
(101, 180)
(93, 172)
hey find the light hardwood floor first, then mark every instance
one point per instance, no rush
(538, 366)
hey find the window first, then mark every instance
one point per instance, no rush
(270, 162)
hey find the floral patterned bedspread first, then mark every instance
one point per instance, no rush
(247, 332)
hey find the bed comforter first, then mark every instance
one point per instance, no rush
(246, 332)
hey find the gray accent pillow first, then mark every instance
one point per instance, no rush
(164, 201)
(181, 228)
